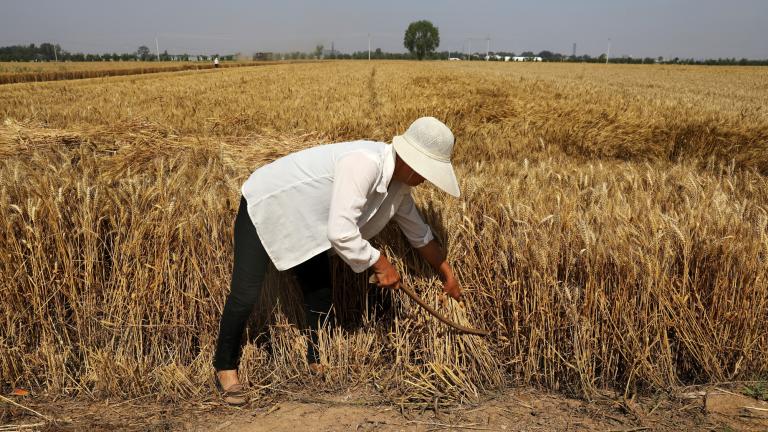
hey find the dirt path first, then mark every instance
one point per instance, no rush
(516, 410)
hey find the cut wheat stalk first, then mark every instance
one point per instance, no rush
(415, 297)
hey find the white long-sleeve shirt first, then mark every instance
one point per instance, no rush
(333, 196)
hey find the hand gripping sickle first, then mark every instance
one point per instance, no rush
(415, 297)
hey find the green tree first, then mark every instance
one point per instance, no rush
(421, 38)
(47, 49)
(319, 50)
(143, 53)
(546, 55)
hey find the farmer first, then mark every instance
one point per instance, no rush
(216, 62)
(330, 197)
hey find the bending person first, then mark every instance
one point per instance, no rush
(334, 196)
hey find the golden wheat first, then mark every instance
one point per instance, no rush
(12, 72)
(611, 230)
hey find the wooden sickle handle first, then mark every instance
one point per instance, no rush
(415, 297)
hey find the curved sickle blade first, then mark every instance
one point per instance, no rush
(415, 297)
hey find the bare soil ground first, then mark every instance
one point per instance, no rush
(514, 410)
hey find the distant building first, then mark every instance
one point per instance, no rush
(524, 59)
(454, 58)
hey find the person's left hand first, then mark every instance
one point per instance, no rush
(452, 288)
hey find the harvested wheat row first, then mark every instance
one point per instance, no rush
(94, 71)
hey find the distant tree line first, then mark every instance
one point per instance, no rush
(51, 52)
(546, 56)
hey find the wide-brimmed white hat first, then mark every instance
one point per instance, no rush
(426, 147)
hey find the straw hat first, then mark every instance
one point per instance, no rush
(426, 147)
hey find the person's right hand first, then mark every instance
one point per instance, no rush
(386, 275)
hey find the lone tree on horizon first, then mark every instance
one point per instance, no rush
(421, 38)
(143, 53)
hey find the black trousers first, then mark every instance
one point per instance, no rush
(248, 270)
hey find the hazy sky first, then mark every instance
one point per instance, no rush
(670, 28)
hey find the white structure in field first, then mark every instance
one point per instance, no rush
(454, 58)
(524, 59)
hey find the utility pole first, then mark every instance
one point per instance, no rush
(369, 46)
(487, 48)
(157, 49)
(55, 56)
(470, 49)
(607, 56)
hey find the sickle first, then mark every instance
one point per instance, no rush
(415, 297)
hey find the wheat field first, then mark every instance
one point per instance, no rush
(77, 66)
(20, 72)
(612, 231)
